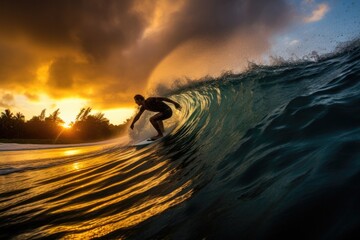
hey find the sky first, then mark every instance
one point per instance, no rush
(72, 54)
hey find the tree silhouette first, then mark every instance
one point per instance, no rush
(78, 117)
(90, 126)
(7, 124)
(20, 117)
(83, 114)
(19, 124)
(7, 115)
(42, 115)
(54, 117)
(87, 127)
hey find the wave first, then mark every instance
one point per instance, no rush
(269, 153)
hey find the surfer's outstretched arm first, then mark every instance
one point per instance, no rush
(137, 117)
(171, 101)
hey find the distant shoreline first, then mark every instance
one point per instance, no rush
(45, 141)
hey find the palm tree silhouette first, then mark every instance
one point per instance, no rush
(19, 117)
(83, 114)
(54, 117)
(7, 123)
(7, 115)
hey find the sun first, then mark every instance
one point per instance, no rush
(66, 125)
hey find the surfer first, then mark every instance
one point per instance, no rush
(155, 104)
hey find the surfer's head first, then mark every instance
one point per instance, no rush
(139, 99)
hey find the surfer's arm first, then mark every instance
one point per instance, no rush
(142, 109)
(177, 106)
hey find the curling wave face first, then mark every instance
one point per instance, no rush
(273, 152)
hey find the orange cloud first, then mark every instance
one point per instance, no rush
(106, 51)
(6, 100)
(317, 13)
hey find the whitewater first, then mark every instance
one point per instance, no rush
(271, 153)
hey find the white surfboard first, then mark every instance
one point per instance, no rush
(146, 142)
(149, 141)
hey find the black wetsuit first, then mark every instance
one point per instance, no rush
(156, 105)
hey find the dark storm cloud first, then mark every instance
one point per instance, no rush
(95, 26)
(60, 73)
(110, 36)
(14, 64)
(213, 21)
(216, 19)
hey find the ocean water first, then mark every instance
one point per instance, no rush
(272, 153)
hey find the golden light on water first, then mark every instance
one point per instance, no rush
(72, 152)
(131, 215)
(76, 166)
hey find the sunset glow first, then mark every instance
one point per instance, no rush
(180, 119)
(100, 55)
(66, 125)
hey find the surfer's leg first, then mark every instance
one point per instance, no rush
(161, 125)
(155, 122)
